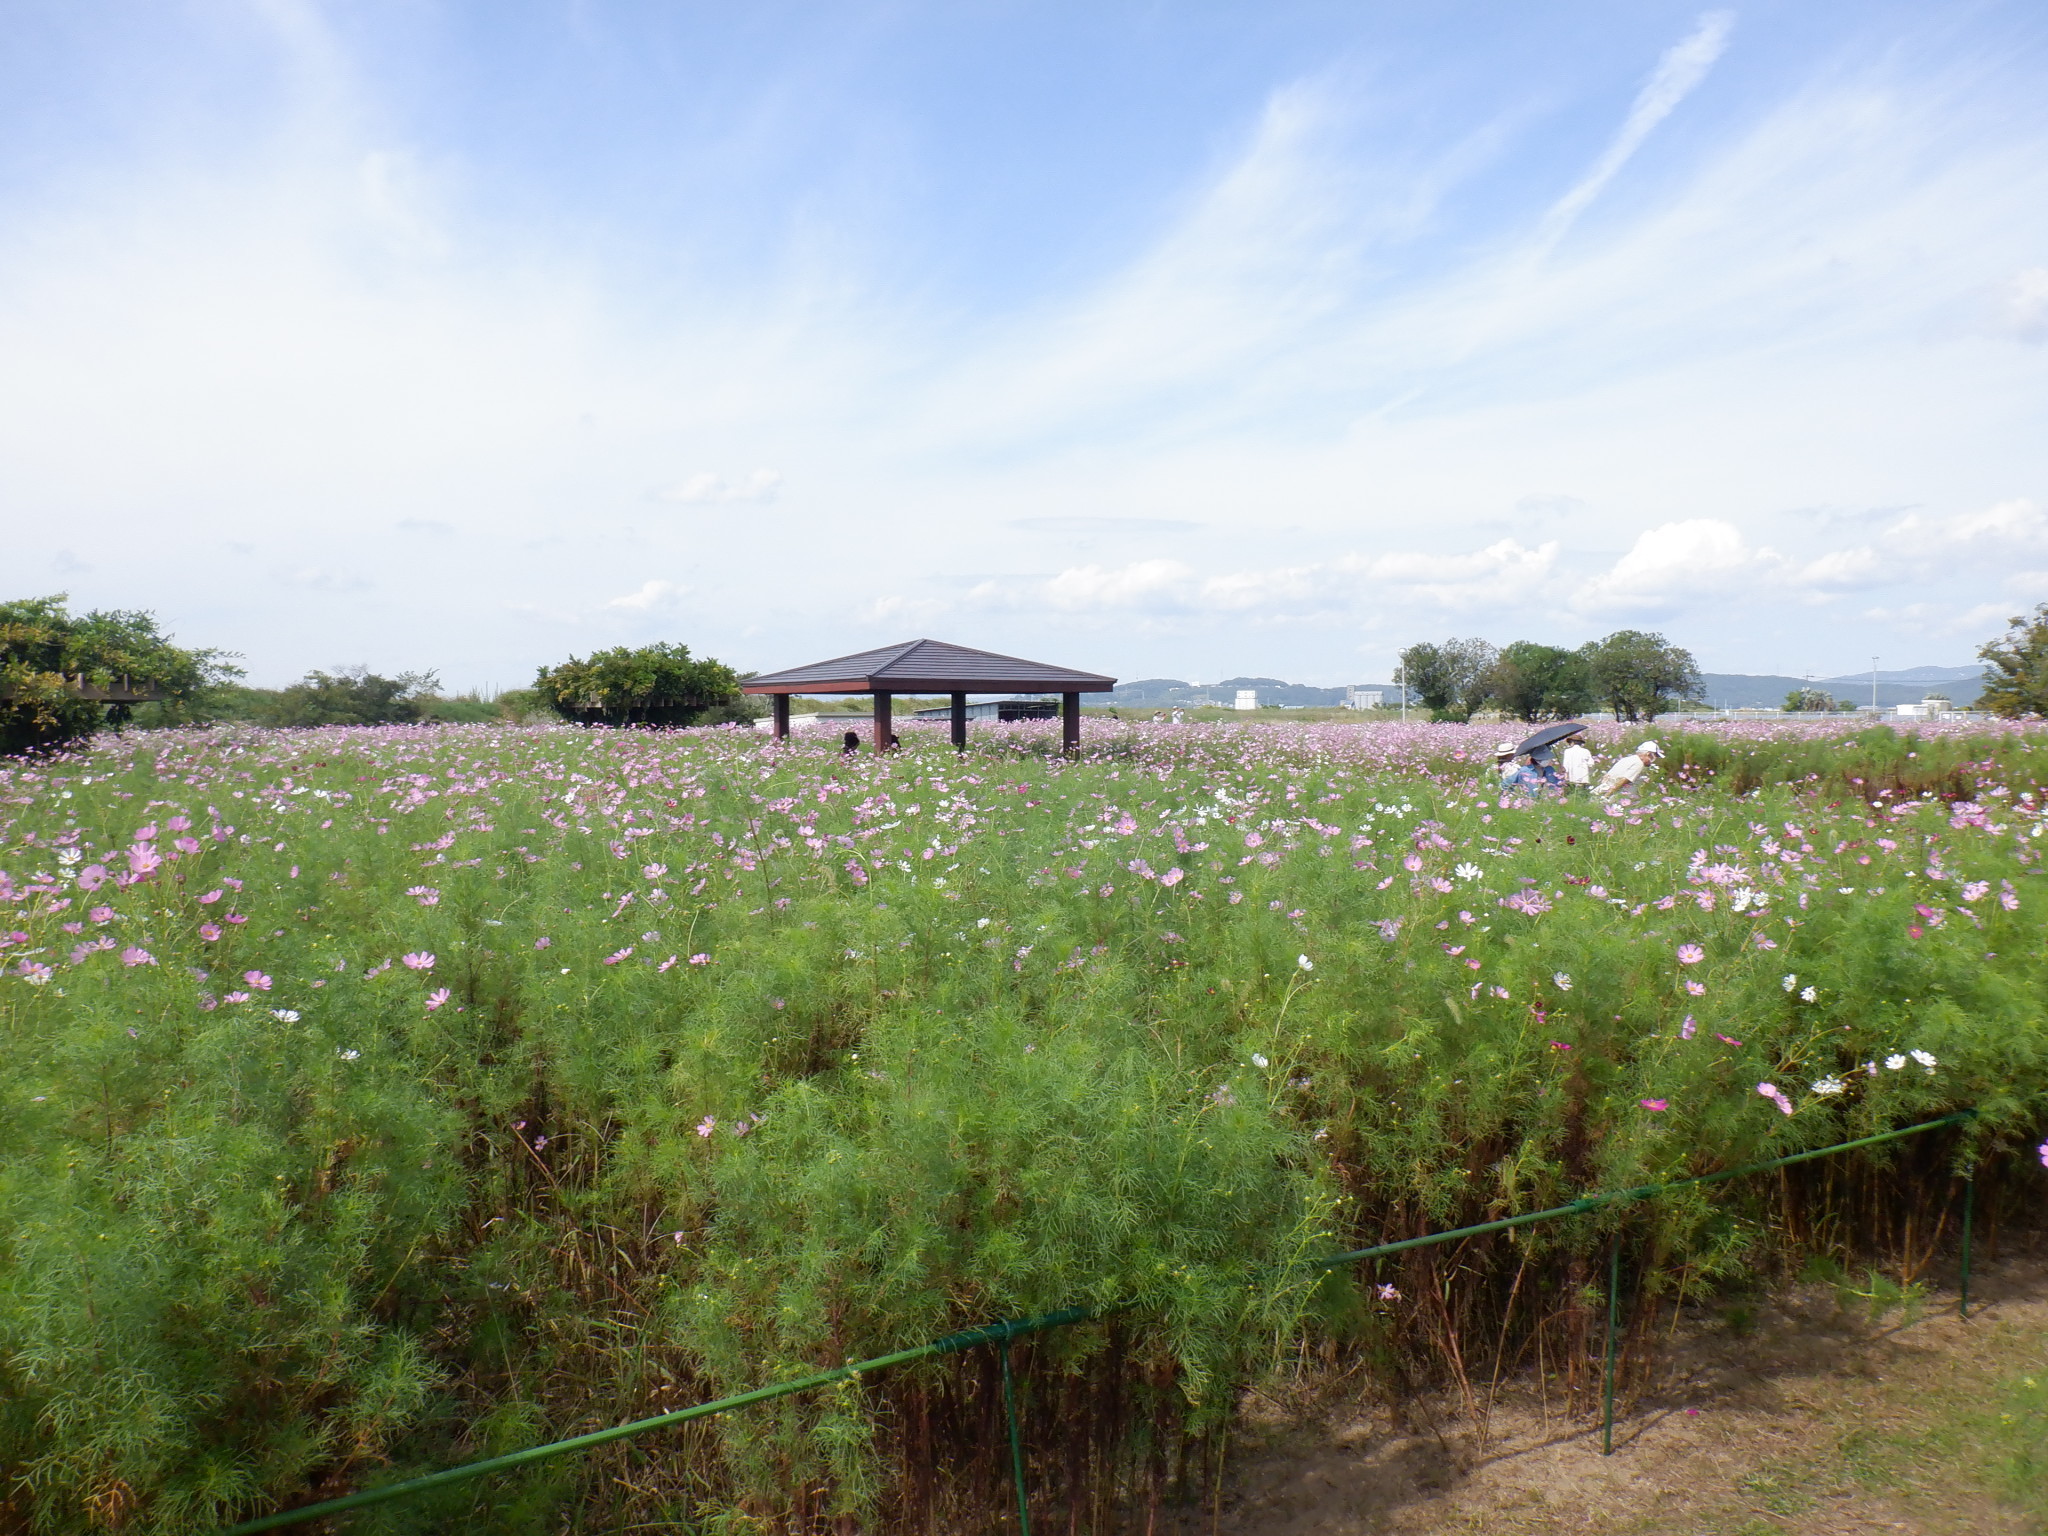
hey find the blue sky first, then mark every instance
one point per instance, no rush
(1163, 339)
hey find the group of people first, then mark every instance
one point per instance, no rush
(1564, 766)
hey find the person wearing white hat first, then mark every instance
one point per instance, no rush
(1628, 770)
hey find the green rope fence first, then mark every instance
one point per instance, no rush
(1004, 1333)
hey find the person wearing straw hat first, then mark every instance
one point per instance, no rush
(1504, 764)
(1628, 769)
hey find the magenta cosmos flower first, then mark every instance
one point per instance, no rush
(1690, 954)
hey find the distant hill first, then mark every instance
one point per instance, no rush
(1738, 690)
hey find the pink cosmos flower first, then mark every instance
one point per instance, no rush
(1776, 1095)
(257, 980)
(436, 998)
(700, 959)
(707, 1125)
(1690, 954)
(209, 898)
(134, 956)
(1559, 1045)
(101, 914)
(666, 964)
(622, 954)
(1655, 1106)
(542, 942)
(1173, 877)
(1696, 988)
(423, 960)
(187, 845)
(1976, 890)
(1257, 840)
(1411, 862)
(236, 997)
(425, 895)
(92, 877)
(2044, 1154)
(1386, 1293)
(1688, 1029)
(209, 931)
(1727, 1039)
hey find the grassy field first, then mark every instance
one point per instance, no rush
(375, 1099)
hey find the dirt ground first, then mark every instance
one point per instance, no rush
(1810, 1418)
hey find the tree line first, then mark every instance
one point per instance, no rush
(53, 662)
(1632, 673)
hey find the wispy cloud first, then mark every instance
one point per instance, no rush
(650, 596)
(713, 490)
(1681, 69)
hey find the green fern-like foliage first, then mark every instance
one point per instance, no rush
(660, 684)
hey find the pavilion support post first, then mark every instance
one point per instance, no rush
(780, 702)
(884, 727)
(1070, 723)
(960, 722)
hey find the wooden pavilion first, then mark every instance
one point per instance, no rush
(931, 666)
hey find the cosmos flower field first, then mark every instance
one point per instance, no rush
(372, 1100)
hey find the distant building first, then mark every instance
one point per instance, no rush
(1364, 698)
(998, 709)
(1247, 698)
(1933, 704)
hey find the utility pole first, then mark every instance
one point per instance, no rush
(1404, 690)
(1873, 682)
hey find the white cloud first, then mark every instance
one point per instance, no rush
(652, 595)
(2002, 529)
(710, 489)
(1682, 68)
(1504, 572)
(2023, 306)
(1678, 562)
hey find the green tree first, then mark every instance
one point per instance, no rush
(1635, 673)
(1809, 701)
(657, 684)
(2016, 679)
(1539, 682)
(52, 662)
(350, 696)
(1450, 679)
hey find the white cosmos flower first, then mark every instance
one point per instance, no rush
(1564, 982)
(1830, 1085)
(1789, 983)
(1895, 1062)
(285, 1015)
(348, 1055)
(1260, 1061)
(1809, 994)
(1924, 1059)
(1304, 962)
(1468, 871)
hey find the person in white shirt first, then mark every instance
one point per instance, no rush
(1629, 769)
(1578, 763)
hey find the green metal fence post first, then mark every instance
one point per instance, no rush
(1016, 1445)
(1613, 1310)
(1969, 1210)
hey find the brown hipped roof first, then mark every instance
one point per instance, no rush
(929, 666)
